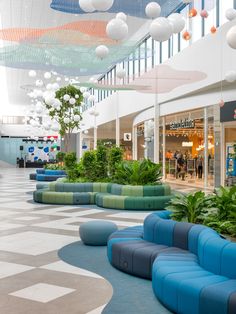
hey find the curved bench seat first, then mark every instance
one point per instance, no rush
(192, 268)
(106, 195)
(47, 175)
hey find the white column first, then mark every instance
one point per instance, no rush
(95, 134)
(164, 147)
(205, 148)
(134, 142)
(79, 142)
(156, 131)
(223, 154)
(117, 121)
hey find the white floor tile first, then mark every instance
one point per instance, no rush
(67, 268)
(42, 292)
(9, 226)
(27, 218)
(34, 243)
(9, 269)
(139, 216)
(98, 310)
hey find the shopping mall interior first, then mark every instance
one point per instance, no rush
(118, 156)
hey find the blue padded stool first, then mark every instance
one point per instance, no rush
(96, 232)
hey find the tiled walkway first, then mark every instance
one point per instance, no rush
(32, 277)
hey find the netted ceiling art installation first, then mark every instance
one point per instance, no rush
(74, 60)
(68, 49)
(130, 7)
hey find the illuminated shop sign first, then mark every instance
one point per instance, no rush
(187, 144)
(182, 124)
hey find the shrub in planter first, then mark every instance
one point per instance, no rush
(101, 169)
(115, 157)
(60, 157)
(189, 207)
(54, 167)
(138, 172)
(89, 165)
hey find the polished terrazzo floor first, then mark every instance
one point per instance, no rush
(32, 277)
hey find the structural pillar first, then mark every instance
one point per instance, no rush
(79, 140)
(156, 131)
(135, 142)
(205, 148)
(164, 147)
(117, 121)
(95, 134)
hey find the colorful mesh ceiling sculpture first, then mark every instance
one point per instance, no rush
(65, 59)
(68, 49)
(131, 7)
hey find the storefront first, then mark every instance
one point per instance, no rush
(228, 120)
(189, 142)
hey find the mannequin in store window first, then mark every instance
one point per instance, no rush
(199, 166)
(181, 167)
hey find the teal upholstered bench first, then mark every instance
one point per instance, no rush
(106, 195)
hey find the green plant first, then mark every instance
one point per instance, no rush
(101, 162)
(189, 207)
(138, 172)
(65, 110)
(70, 160)
(224, 200)
(60, 156)
(115, 157)
(89, 165)
(75, 173)
(54, 167)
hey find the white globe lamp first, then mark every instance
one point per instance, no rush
(102, 51)
(117, 29)
(32, 73)
(178, 22)
(230, 14)
(161, 29)
(102, 5)
(230, 76)
(153, 10)
(86, 6)
(122, 16)
(231, 37)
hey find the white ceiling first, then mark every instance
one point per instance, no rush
(38, 14)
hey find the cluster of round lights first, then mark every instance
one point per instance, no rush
(90, 6)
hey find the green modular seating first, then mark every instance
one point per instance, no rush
(106, 195)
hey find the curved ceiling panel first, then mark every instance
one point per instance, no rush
(131, 7)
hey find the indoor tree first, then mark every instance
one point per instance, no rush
(64, 108)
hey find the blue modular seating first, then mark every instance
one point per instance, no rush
(193, 270)
(47, 175)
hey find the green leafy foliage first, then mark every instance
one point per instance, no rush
(138, 172)
(189, 207)
(54, 167)
(70, 160)
(115, 157)
(60, 156)
(222, 214)
(66, 110)
(101, 162)
(89, 165)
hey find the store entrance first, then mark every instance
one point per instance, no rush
(185, 149)
(230, 153)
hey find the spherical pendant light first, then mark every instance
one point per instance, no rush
(120, 73)
(86, 95)
(57, 104)
(102, 51)
(117, 29)
(230, 76)
(186, 35)
(192, 12)
(204, 14)
(153, 10)
(91, 98)
(122, 16)
(32, 73)
(76, 118)
(102, 5)
(86, 6)
(66, 120)
(39, 83)
(230, 14)
(83, 89)
(231, 37)
(72, 101)
(66, 97)
(47, 75)
(178, 22)
(213, 29)
(161, 29)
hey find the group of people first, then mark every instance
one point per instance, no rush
(181, 164)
